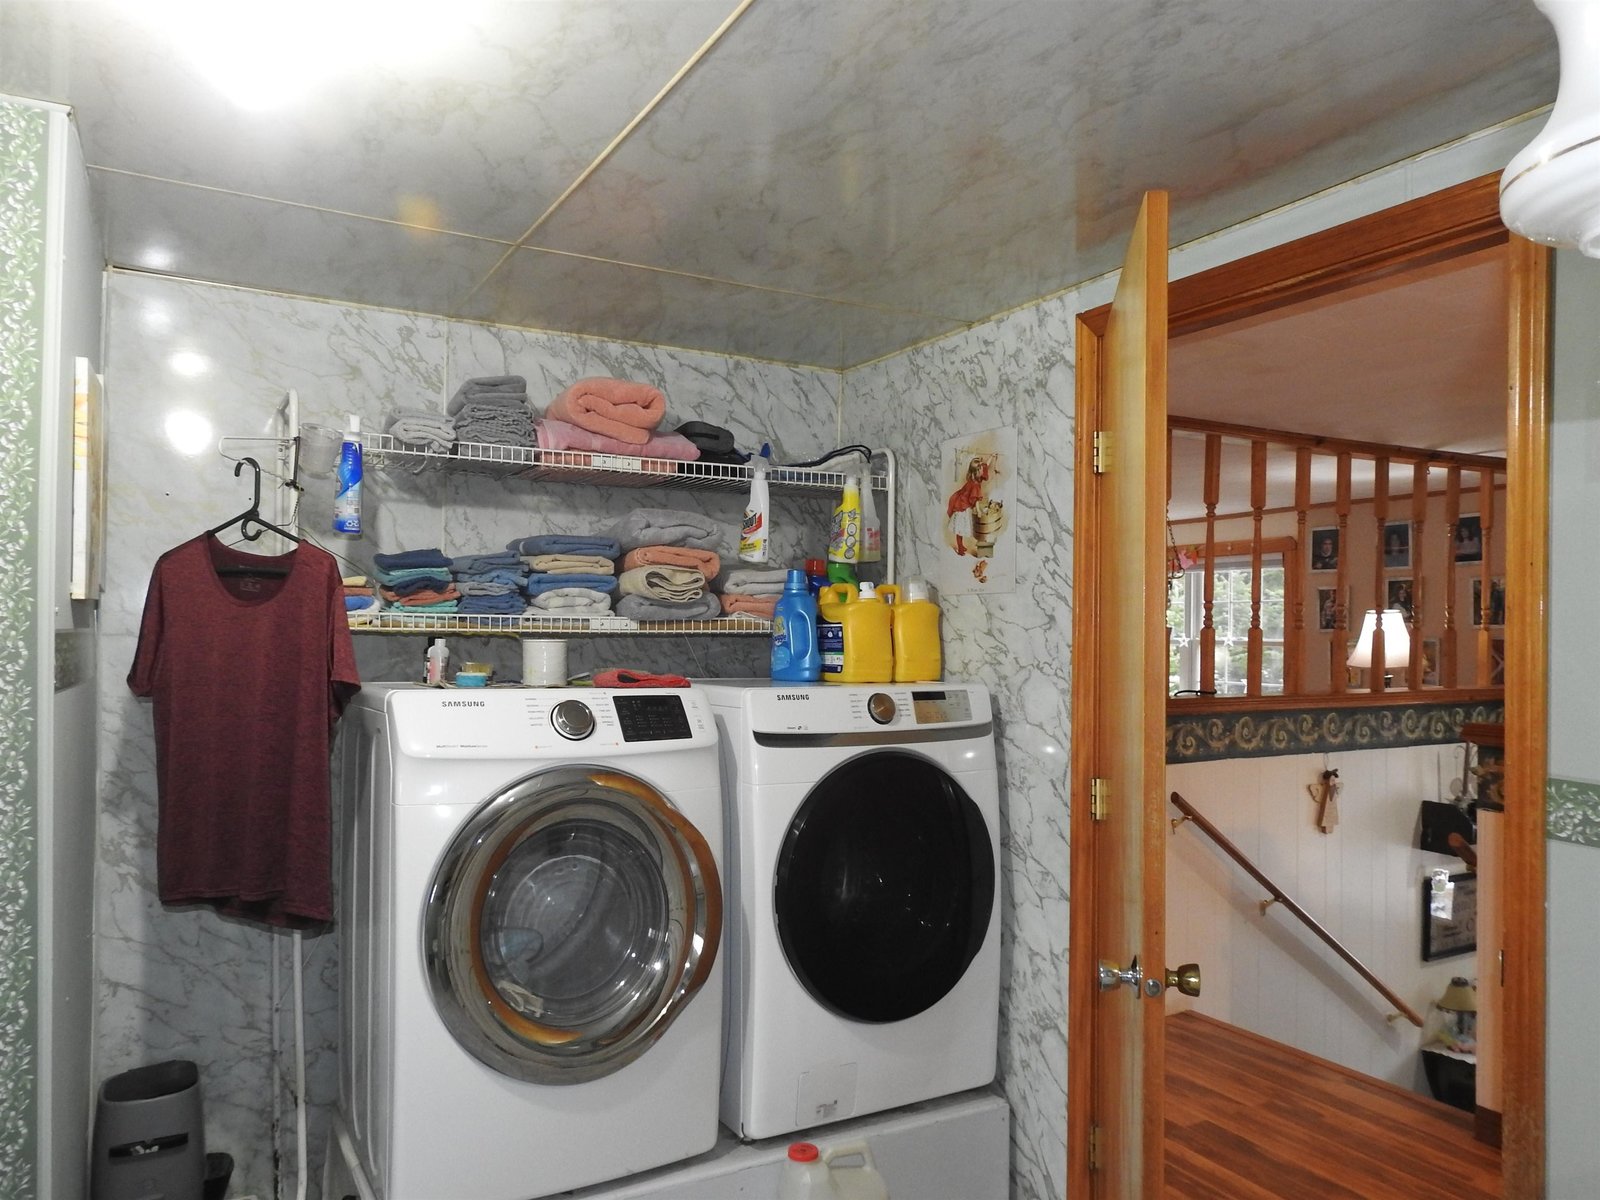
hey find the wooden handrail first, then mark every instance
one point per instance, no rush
(1310, 922)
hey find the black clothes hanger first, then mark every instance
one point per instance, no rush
(252, 517)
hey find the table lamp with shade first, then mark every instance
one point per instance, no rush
(1396, 640)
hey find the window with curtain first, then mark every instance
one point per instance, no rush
(1230, 617)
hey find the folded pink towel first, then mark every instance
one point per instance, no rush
(559, 435)
(617, 408)
(706, 562)
(755, 606)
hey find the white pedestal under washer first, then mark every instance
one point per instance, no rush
(530, 910)
(863, 929)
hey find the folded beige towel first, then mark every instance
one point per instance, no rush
(748, 581)
(570, 602)
(570, 564)
(674, 584)
(705, 561)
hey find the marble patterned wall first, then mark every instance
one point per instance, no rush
(23, 164)
(189, 363)
(1016, 371)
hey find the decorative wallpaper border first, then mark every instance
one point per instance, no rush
(1319, 730)
(1572, 811)
(23, 148)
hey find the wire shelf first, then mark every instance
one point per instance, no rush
(488, 625)
(611, 470)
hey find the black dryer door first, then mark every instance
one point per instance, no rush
(884, 887)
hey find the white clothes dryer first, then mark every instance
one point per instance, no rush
(863, 930)
(531, 908)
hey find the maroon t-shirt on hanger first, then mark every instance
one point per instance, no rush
(249, 674)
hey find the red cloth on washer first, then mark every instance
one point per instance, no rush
(248, 674)
(623, 677)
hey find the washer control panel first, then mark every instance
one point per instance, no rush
(881, 707)
(654, 718)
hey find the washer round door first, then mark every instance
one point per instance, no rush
(884, 887)
(569, 922)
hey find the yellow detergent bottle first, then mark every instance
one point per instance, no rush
(917, 657)
(854, 635)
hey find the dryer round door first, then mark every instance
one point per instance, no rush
(884, 887)
(568, 923)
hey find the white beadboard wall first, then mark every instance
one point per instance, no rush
(1268, 973)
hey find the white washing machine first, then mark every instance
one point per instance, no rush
(531, 908)
(863, 929)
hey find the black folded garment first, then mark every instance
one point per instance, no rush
(715, 443)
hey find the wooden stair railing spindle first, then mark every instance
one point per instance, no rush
(1380, 591)
(1338, 649)
(1419, 521)
(1449, 663)
(1208, 630)
(1485, 576)
(1294, 654)
(1305, 918)
(1258, 501)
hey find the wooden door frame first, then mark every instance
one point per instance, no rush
(1430, 229)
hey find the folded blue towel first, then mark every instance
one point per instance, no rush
(565, 543)
(510, 604)
(542, 582)
(472, 564)
(424, 583)
(503, 575)
(362, 604)
(407, 559)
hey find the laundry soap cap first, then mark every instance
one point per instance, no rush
(916, 589)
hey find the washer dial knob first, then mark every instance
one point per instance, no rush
(572, 720)
(880, 706)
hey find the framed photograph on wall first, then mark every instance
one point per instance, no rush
(1325, 549)
(1329, 608)
(1397, 545)
(1430, 662)
(1447, 937)
(1403, 596)
(1469, 538)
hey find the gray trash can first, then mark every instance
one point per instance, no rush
(149, 1135)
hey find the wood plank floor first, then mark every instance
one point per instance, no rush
(1250, 1119)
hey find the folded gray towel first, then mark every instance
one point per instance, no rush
(663, 583)
(487, 385)
(751, 582)
(669, 527)
(642, 608)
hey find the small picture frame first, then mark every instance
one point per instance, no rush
(1325, 549)
(1497, 662)
(1397, 546)
(1497, 602)
(1430, 662)
(1329, 609)
(1403, 596)
(1457, 934)
(1469, 538)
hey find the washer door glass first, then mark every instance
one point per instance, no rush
(568, 923)
(884, 887)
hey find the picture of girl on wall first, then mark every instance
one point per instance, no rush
(978, 550)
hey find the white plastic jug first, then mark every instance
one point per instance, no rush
(830, 1173)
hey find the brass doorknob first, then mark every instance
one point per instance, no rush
(1186, 979)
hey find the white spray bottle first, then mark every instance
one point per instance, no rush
(755, 538)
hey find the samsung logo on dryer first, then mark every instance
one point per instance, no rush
(791, 696)
(462, 703)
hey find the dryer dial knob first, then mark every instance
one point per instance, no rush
(572, 720)
(880, 705)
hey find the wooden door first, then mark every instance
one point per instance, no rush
(1120, 674)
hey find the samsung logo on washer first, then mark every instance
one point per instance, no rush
(792, 696)
(463, 703)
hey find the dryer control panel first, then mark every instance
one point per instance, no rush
(875, 708)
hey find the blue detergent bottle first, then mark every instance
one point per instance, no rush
(796, 657)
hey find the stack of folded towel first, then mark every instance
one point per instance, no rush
(360, 596)
(569, 575)
(671, 556)
(494, 409)
(490, 583)
(753, 591)
(423, 430)
(661, 453)
(416, 581)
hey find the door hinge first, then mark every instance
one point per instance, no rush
(1094, 1147)
(1102, 451)
(1098, 798)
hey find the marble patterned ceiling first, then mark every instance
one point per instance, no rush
(811, 181)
